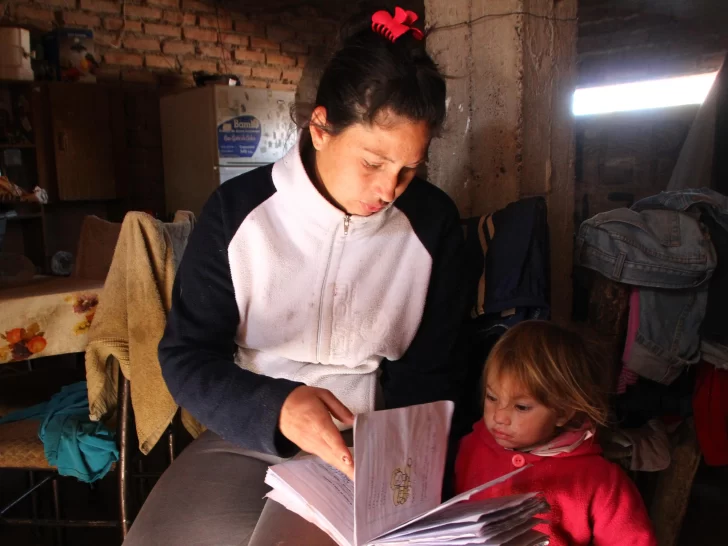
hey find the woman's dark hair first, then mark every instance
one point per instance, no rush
(369, 74)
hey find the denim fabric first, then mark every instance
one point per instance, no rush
(713, 209)
(653, 248)
(668, 338)
(670, 257)
(705, 199)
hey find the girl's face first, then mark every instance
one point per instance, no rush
(514, 417)
(366, 167)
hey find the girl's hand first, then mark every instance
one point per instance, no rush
(306, 421)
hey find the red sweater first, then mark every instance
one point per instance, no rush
(592, 500)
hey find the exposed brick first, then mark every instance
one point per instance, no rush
(276, 86)
(115, 23)
(173, 17)
(267, 73)
(213, 21)
(126, 59)
(239, 70)
(263, 43)
(143, 12)
(249, 56)
(279, 60)
(196, 5)
(145, 44)
(35, 14)
(302, 60)
(101, 6)
(81, 19)
(278, 33)
(111, 39)
(162, 30)
(177, 48)
(132, 26)
(294, 47)
(256, 84)
(160, 61)
(164, 3)
(234, 39)
(140, 76)
(249, 27)
(200, 34)
(193, 65)
(68, 4)
(217, 51)
(189, 19)
(292, 75)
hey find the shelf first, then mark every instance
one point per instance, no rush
(20, 146)
(30, 216)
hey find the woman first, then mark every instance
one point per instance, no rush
(322, 286)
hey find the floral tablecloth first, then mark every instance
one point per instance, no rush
(48, 316)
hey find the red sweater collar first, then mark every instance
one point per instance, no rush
(589, 447)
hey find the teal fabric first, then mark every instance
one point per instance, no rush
(72, 443)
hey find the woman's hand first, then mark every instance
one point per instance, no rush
(306, 421)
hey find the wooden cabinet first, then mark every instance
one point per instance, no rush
(83, 142)
(83, 134)
(74, 146)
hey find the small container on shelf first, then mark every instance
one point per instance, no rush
(71, 54)
(15, 54)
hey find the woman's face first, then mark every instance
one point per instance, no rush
(366, 167)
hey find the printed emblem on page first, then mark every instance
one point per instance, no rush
(401, 484)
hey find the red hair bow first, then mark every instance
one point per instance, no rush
(394, 27)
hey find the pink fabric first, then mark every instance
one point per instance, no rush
(627, 377)
(566, 442)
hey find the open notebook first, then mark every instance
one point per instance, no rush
(395, 497)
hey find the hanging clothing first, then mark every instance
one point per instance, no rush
(712, 208)
(130, 321)
(710, 407)
(669, 255)
(73, 444)
(627, 377)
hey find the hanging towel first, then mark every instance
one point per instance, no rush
(73, 443)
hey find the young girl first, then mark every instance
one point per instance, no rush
(542, 402)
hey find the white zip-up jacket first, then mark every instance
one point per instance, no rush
(279, 288)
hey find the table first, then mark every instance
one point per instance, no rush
(47, 316)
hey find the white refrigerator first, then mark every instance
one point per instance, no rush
(212, 134)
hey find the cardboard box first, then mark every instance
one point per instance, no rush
(15, 54)
(71, 54)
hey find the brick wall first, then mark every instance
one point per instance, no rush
(621, 158)
(629, 40)
(627, 156)
(164, 41)
(153, 46)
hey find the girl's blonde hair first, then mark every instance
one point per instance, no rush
(555, 365)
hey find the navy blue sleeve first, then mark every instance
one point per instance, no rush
(428, 371)
(198, 347)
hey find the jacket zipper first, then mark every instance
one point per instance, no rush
(347, 219)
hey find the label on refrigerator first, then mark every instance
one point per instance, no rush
(238, 137)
